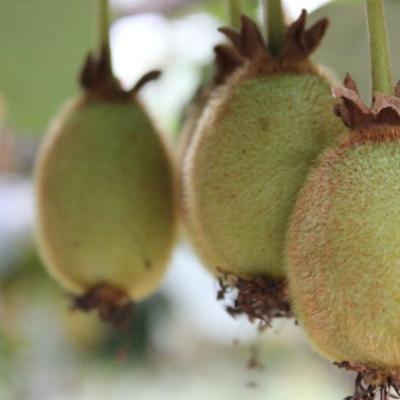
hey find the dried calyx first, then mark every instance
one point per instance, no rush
(100, 83)
(356, 115)
(261, 299)
(371, 382)
(249, 45)
(112, 304)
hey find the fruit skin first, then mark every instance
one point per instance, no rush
(105, 198)
(252, 149)
(343, 251)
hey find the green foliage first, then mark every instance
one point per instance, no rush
(43, 44)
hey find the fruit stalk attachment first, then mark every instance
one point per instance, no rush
(385, 95)
(275, 25)
(381, 73)
(234, 12)
(97, 76)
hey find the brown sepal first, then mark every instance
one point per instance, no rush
(248, 44)
(261, 299)
(227, 60)
(96, 75)
(146, 78)
(355, 114)
(300, 42)
(111, 303)
(371, 382)
(97, 79)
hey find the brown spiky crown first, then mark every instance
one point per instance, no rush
(248, 45)
(97, 79)
(385, 110)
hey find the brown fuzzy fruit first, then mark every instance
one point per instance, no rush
(343, 246)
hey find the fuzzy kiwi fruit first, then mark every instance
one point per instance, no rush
(344, 245)
(253, 146)
(105, 196)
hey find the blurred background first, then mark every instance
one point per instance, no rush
(182, 344)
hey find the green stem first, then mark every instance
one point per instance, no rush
(381, 72)
(235, 12)
(275, 24)
(104, 32)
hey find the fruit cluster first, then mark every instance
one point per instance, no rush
(293, 209)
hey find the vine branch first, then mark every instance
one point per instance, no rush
(381, 72)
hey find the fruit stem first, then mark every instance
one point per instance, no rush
(104, 34)
(234, 12)
(381, 72)
(275, 25)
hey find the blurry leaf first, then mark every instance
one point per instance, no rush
(43, 43)
(345, 47)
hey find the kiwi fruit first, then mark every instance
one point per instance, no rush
(343, 245)
(258, 136)
(106, 217)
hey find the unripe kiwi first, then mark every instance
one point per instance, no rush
(253, 147)
(343, 246)
(105, 197)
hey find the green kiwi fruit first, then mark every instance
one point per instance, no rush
(257, 138)
(106, 217)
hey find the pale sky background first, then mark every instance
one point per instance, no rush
(293, 6)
